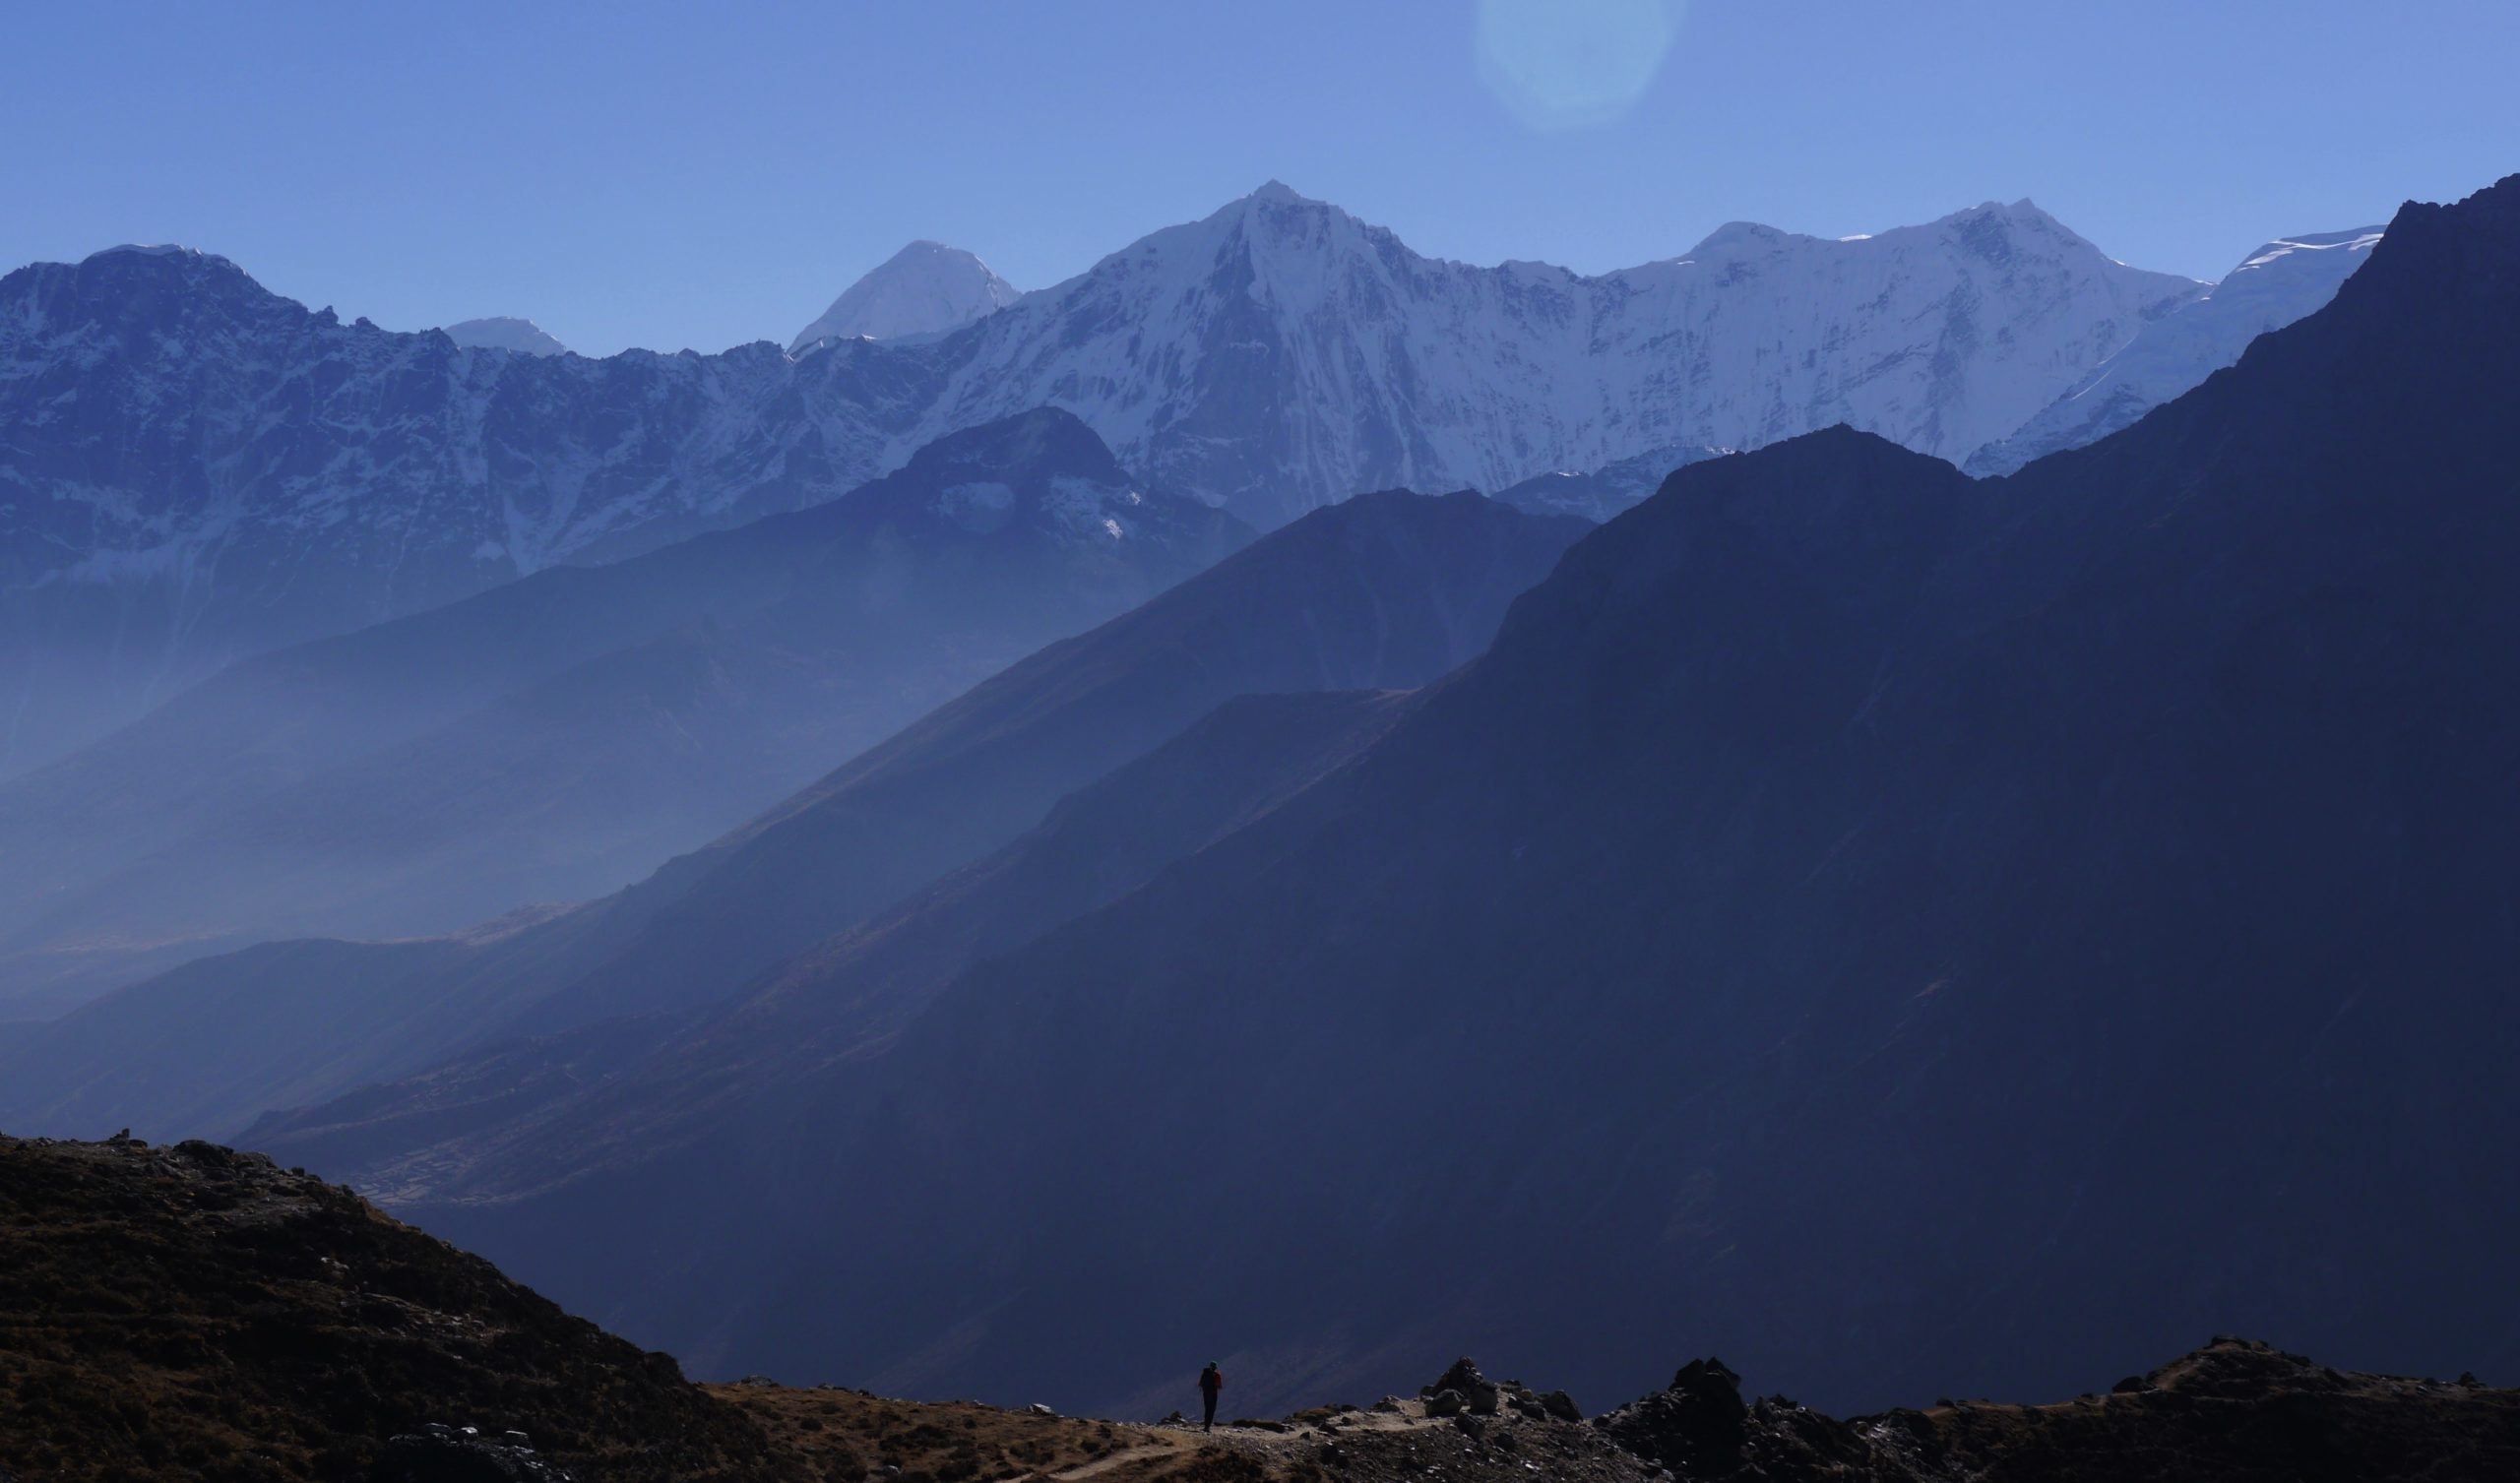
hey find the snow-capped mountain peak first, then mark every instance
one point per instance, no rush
(2278, 283)
(925, 288)
(501, 333)
(1275, 355)
(164, 250)
(1281, 354)
(1734, 239)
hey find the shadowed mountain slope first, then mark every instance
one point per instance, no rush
(1384, 592)
(1905, 928)
(613, 1094)
(1387, 591)
(557, 738)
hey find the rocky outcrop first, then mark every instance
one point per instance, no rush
(1699, 1427)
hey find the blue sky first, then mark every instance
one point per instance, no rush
(686, 174)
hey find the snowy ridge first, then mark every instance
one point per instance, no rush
(925, 288)
(2279, 282)
(218, 469)
(1281, 354)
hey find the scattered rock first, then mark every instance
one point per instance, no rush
(1038, 1409)
(439, 1454)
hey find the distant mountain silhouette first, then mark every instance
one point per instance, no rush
(1899, 929)
(1387, 590)
(602, 1097)
(557, 738)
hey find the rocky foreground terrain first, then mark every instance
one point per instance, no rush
(196, 1313)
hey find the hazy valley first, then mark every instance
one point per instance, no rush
(1929, 812)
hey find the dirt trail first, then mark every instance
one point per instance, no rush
(1145, 1452)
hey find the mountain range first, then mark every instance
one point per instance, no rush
(1910, 928)
(1904, 928)
(198, 469)
(1387, 590)
(557, 737)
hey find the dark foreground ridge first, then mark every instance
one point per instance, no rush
(195, 1313)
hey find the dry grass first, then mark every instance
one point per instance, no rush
(844, 1436)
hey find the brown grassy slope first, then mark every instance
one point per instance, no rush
(193, 1314)
(849, 1435)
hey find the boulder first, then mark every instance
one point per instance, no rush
(1446, 1403)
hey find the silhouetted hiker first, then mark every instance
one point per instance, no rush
(1211, 1380)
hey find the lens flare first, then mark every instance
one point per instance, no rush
(1563, 64)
